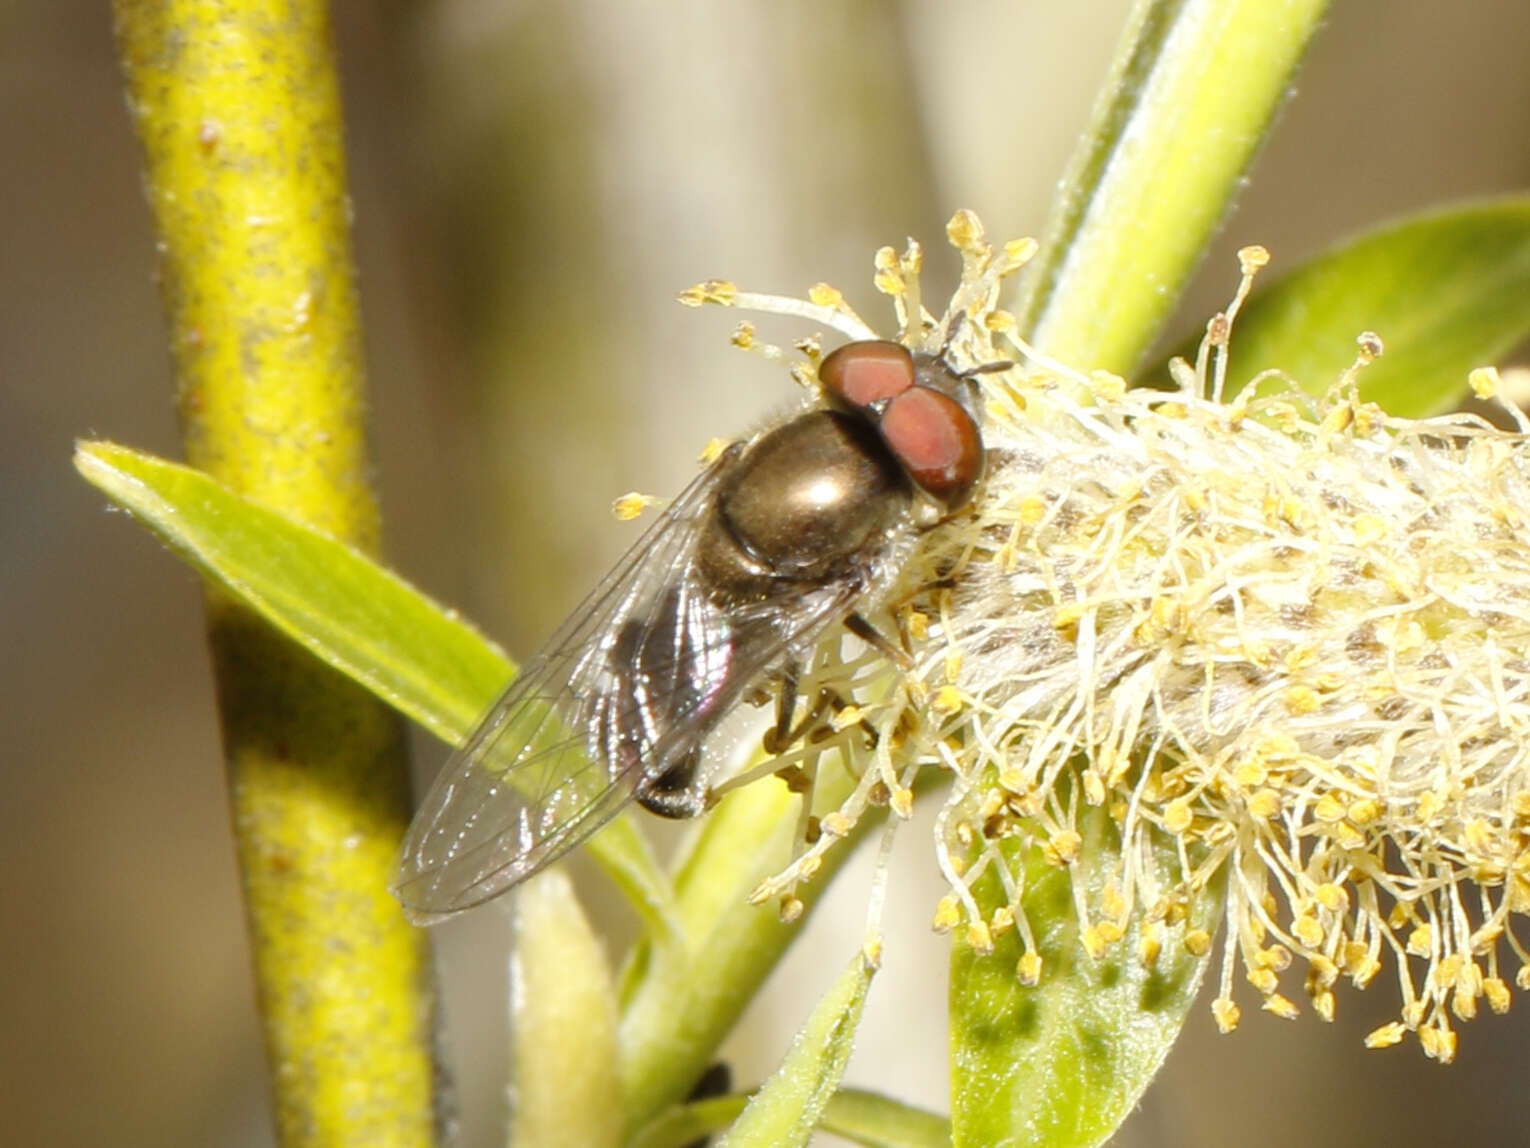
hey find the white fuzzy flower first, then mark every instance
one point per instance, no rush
(1289, 635)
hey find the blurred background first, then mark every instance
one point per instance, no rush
(532, 182)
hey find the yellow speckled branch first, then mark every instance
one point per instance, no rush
(237, 109)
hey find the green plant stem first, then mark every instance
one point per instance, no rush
(1190, 97)
(237, 111)
(682, 999)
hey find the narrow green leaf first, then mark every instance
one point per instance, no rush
(368, 623)
(783, 1113)
(865, 1117)
(1192, 92)
(1447, 291)
(1062, 1064)
(678, 1003)
(686, 1124)
(350, 612)
(563, 1024)
(880, 1122)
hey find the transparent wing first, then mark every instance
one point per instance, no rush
(628, 687)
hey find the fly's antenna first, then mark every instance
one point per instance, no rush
(959, 320)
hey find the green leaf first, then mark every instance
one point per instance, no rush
(679, 1002)
(783, 1113)
(685, 1124)
(1062, 1064)
(881, 1122)
(562, 1023)
(1193, 89)
(865, 1117)
(1447, 291)
(351, 613)
(368, 623)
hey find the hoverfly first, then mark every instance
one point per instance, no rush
(778, 540)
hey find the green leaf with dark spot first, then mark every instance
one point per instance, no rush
(1061, 1065)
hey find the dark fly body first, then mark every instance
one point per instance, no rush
(778, 541)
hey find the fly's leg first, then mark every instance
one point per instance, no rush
(674, 793)
(784, 733)
(879, 642)
(778, 737)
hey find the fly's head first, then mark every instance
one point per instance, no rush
(926, 412)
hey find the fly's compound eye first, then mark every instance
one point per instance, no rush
(935, 440)
(915, 402)
(865, 376)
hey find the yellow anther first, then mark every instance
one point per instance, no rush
(630, 506)
(826, 296)
(1420, 941)
(1017, 253)
(1329, 808)
(1028, 969)
(1438, 1044)
(1276, 957)
(1253, 258)
(1092, 942)
(1226, 1014)
(1112, 904)
(1321, 971)
(964, 231)
(1281, 1007)
(713, 450)
(718, 291)
(1066, 844)
(948, 914)
(1364, 812)
(1369, 529)
(1150, 946)
(1386, 1036)
(1308, 932)
(1177, 817)
(1485, 382)
(1302, 700)
(1264, 980)
(1032, 508)
(836, 824)
(1264, 804)
(1498, 996)
(917, 623)
(946, 701)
